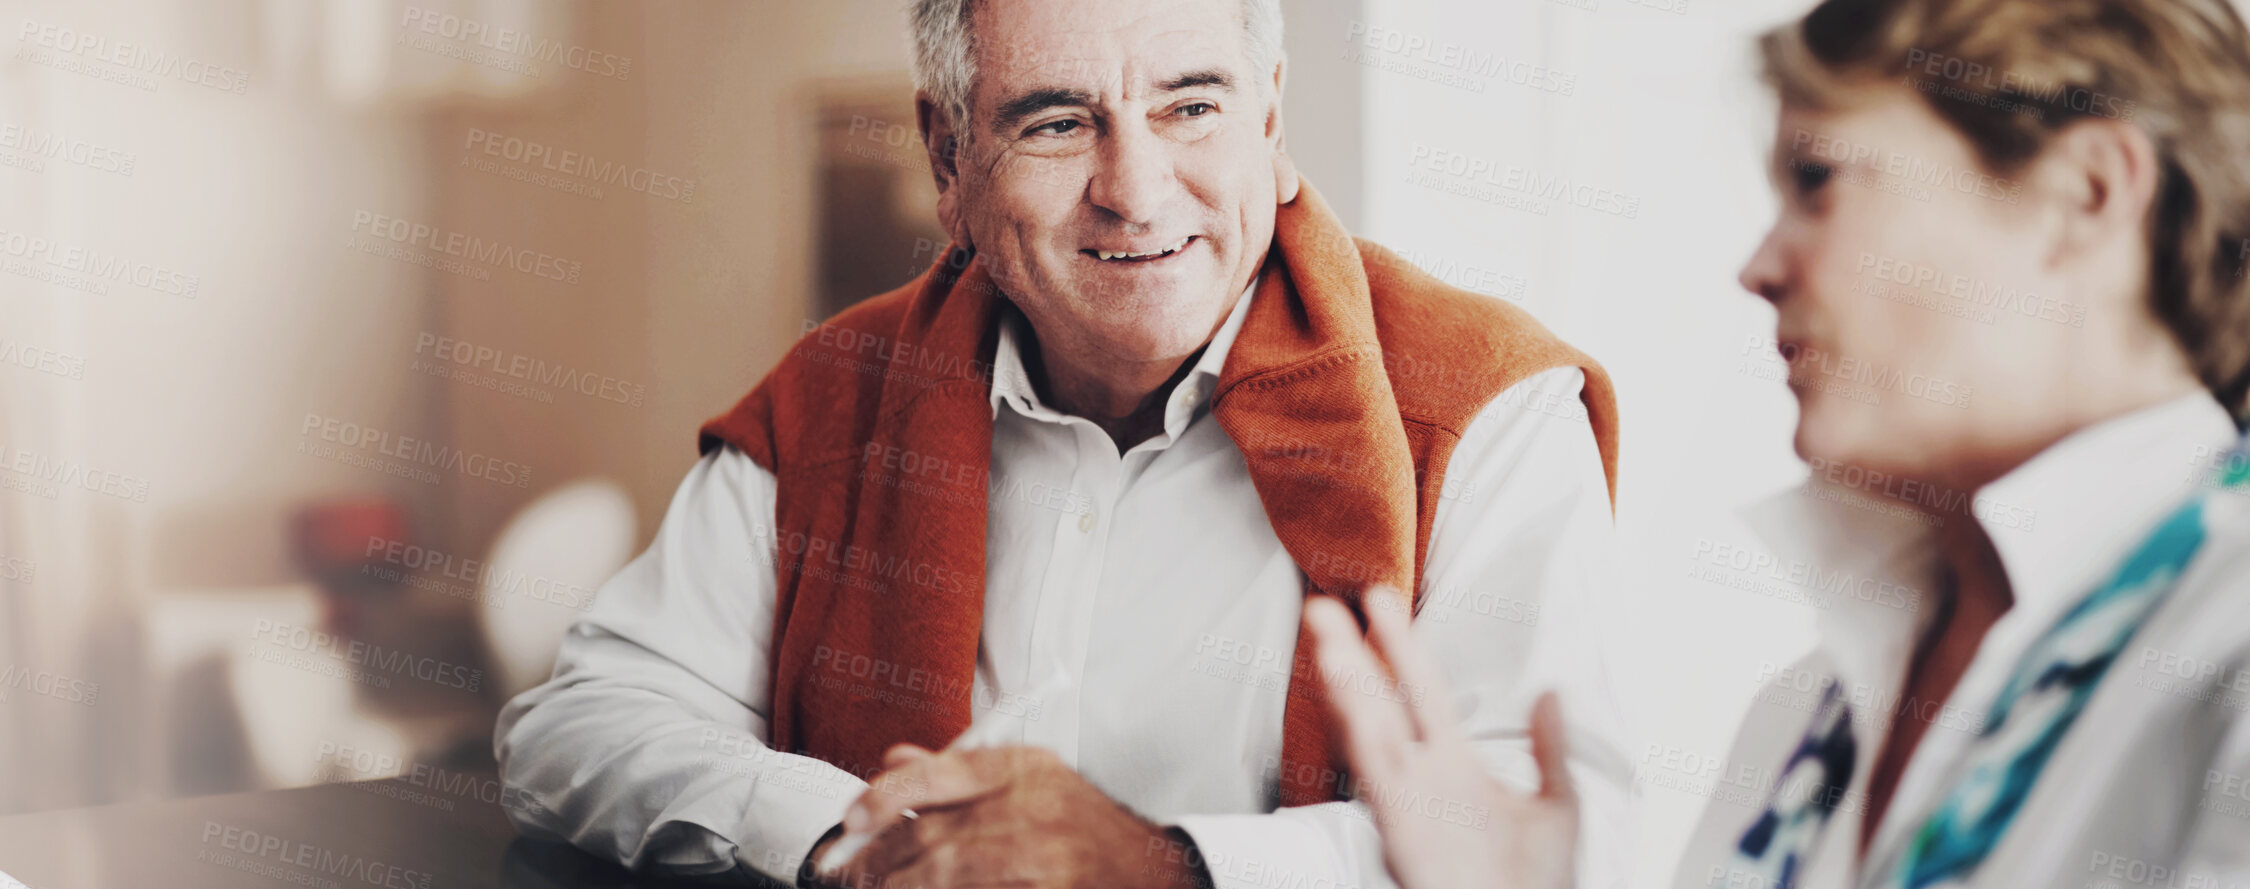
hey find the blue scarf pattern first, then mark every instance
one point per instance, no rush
(2044, 695)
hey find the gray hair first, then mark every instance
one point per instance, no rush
(945, 50)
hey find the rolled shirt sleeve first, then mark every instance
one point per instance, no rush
(1514, 582)
(647, 744)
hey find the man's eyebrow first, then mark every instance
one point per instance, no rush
(1217, 77)
(1015, 110)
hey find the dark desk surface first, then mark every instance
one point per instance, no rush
(369, 835)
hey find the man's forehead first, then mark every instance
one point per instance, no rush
(1101, 47)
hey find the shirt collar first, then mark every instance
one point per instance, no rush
(1011, 383)
(2058, 522)
(2066, 517)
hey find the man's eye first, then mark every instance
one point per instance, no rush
(1197, 109)
(1056, 128)
(1809, 176)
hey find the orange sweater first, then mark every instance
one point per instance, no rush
(1350, 383)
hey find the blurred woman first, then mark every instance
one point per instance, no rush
(2009, 278)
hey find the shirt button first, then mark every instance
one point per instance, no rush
(1086, 520)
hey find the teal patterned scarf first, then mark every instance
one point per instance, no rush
(2049, 687)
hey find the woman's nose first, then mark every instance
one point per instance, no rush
(1767, 273)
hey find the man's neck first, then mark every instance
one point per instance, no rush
(1127, 400)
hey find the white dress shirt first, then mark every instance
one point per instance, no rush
(2147, 789)
(1151, 581)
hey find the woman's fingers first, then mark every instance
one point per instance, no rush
(1376, 729)
(1550, 746)
(1421, 682)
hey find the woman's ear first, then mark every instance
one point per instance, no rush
(2107, 171)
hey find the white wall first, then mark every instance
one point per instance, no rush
(1662, 108)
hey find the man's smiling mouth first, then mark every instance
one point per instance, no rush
(1128, 256)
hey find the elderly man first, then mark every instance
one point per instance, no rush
(1067, 492)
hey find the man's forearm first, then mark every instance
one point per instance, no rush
(732, 800)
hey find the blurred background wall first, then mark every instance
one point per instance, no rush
(346, 345)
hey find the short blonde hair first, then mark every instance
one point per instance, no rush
(2010, 74)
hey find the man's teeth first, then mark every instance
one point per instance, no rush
(1104, 254)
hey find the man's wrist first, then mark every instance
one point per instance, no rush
(1174, 862)
(808, 873)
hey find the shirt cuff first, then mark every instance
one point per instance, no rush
(1263, 851)
(796, 801)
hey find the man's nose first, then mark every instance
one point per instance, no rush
(1135, 176)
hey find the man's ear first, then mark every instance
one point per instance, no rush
(1285, 179)
(944, 148)
(2106, 171)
